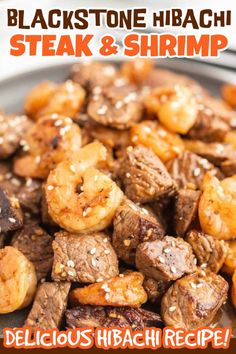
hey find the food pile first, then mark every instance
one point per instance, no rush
(118, 200)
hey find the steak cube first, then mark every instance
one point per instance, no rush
(115, 107)
(12, 130)
(193, 301)
(84, 258)
(97, 316)
(189, 168)
(209, 126)
(144, 176)
(132, 226)
(11, 217)
(30, 195)
(49, 306)
(166, 259)
(216, 153)
(89, 75)
(228, 167)
(36, 245)
(185, 210)
(155, 289)
(210, 252)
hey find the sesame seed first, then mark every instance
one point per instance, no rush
(70, 263)
(121, 275)
(195, 261)
(72, 168)
(199, 285)
(128, 175)
(93, 250)
(87, 211)
(166, 250)
(16, 182)
(37, 159)
(102, 110)
(193, 285)
(107, 252)
(50, 188)
(107, 296)
(203, 273)
(95, 178)
(173, 269)
(1, 140)
(196, 172)
(161, 259)
(172, 308)
(94, 263)
(71, 273)
(145, 211)
(105, 240)
(119, 104)
(12, 220)
(203, 265)
(99, 280)
(54, 116)
(58, 123)
(28, 182)
(173, 243)
(97, 90)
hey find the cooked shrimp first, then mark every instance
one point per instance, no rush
(18, 280)
(126, 290)
(48, 98)
(233, 291)
(165, 145)
(136, 71)
(51, 140)
(38, 97)
(230, 138)
(229, 94)
(93, 206)
(217, 207)
(175, 107)
(230, 262)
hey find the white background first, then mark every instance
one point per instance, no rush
(10, 65)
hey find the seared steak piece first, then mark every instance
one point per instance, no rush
(160, 77)
(115, 107)
(49, 306)
(132, 226)
(228, 167)
(155, 289)
(2, 239)
(185, 210)
(144, 176)
(11, 217)
(30, 195)
(220, 109)
(12, 130)
(209, 126)
(36, 245)
(85, 258)
(190, 168)
(93, 75)
(10, 182)
(214, 152)
(210, 252)
(193, 301)
(166, 259)
(28, 191)
(97, 316)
